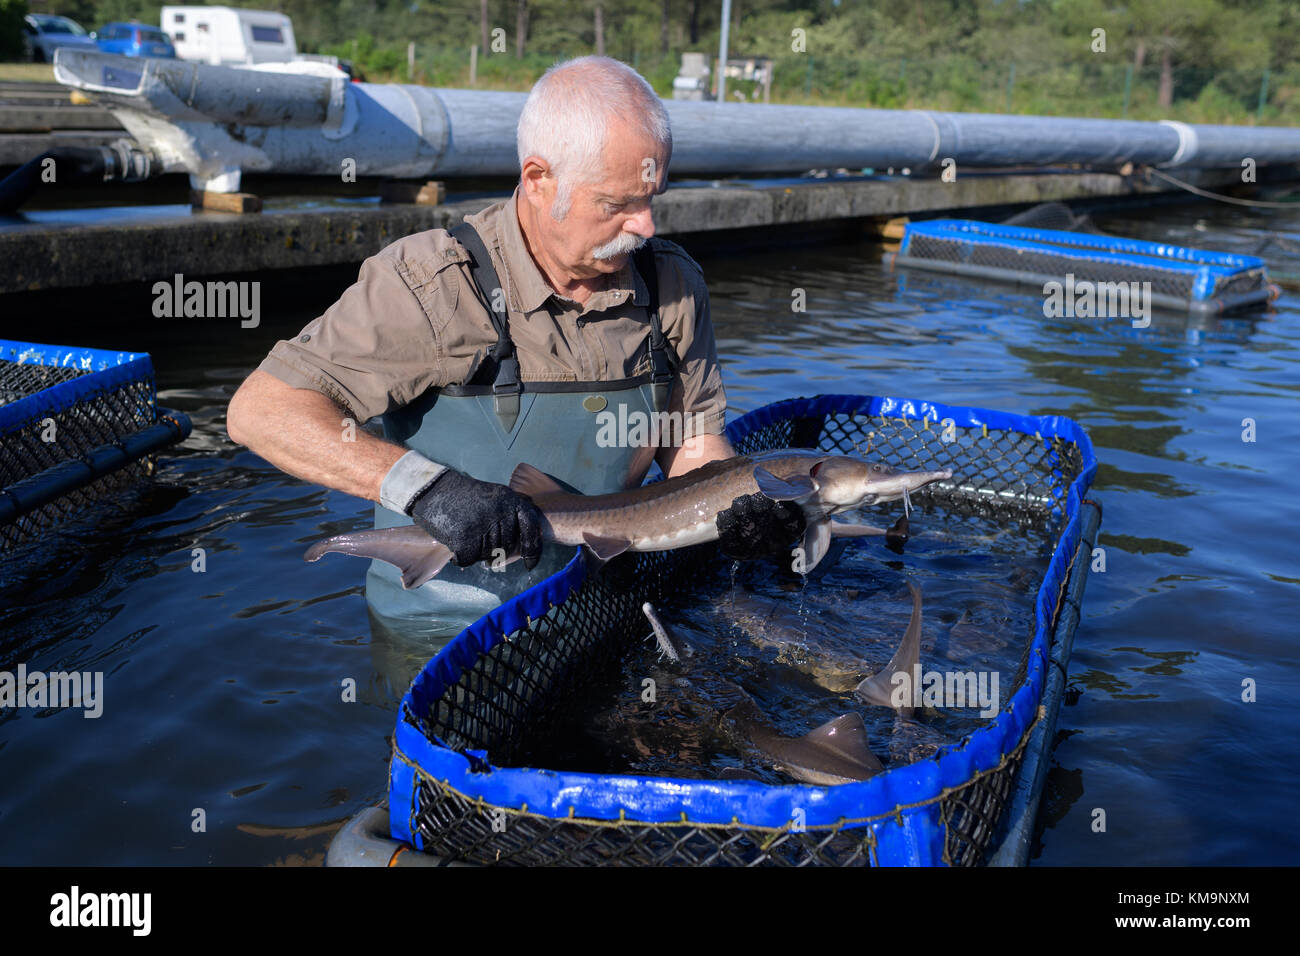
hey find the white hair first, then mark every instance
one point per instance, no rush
(566, 119)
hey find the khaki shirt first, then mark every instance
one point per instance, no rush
(412, 322)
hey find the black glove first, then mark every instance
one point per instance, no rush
(473, 518)
(755, 526)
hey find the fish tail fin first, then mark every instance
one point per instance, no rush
(419, 557)
(878, 689)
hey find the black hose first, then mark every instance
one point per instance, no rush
(123, 161)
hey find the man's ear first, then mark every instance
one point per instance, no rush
(538, 183)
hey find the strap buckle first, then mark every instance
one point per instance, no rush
(505, 392)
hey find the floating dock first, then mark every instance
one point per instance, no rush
(59, 249)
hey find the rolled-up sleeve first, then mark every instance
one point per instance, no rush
(373, 350)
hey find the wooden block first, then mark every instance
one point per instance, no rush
(225, 202)
(431, 193)
(894, 228)
(883, 228)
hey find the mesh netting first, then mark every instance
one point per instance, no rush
(1056, 216)
(502, 700)
(1179, 284)
(19, 379)
(63, 428)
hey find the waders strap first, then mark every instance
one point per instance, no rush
(663, 363)
(505, 383)
(506, 386)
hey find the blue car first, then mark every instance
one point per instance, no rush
(43, 34)
(134, 39)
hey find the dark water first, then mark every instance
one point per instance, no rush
(223, 689)
(797, 647)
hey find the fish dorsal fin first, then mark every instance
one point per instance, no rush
(846, 737)
(879, 688)
(784, 489)
(534, 483)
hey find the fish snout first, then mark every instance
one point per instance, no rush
(919, 479)
(892, 484)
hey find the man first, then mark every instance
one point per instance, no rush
(480, 357)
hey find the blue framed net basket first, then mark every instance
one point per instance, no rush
(457, 793)
(1178, 277)
(76, 425)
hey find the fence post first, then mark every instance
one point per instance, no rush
(1263, 95)
(1128, 87)
(473, 65)
(410, 60)
(807, 82)
(1011, 82)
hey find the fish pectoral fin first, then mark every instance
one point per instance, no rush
(605, 549)
(784, 489)
(879, 688)
(409, 549)
(535, 483)
(738, 773)
(841, 529)
(816, 540)
(846, 737)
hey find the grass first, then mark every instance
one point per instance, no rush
(26, 72)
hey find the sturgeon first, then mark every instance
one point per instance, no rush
(837, 752)
(837, 671)
(674, 513)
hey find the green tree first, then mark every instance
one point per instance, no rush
(11, 28)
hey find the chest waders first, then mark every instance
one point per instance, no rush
(493, 422)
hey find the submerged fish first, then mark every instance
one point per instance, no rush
(836, 752)
(837, 671)
(673, 513)
(775, 625)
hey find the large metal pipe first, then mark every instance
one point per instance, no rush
(213, 122)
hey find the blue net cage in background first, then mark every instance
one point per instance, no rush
(76, 424)
(1175, 277)
(457, 793)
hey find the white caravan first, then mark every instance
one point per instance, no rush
(229, 36)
